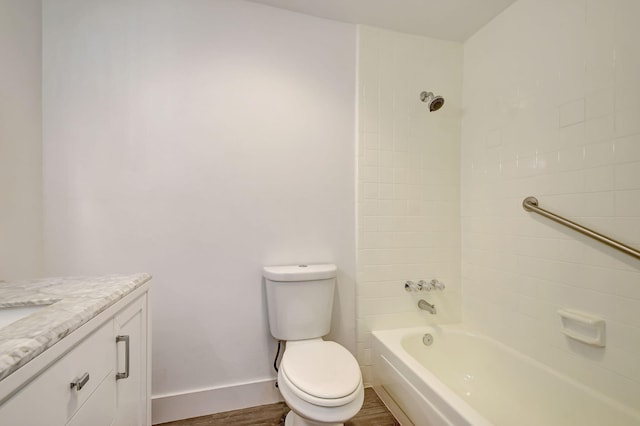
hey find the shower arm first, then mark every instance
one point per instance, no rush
(530, 204)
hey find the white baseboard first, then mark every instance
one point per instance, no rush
(167, 408)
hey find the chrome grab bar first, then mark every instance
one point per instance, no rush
(530, 204)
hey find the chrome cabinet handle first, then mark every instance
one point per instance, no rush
(124, 339)
(80, 382)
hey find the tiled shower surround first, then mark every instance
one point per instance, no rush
(551, 108)
(408, 181)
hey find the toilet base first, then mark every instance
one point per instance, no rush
(293, 419)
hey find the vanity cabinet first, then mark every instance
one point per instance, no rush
(102, 379)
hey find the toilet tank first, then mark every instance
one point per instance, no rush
(299, 300)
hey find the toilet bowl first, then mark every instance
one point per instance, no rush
(321, 383)
(319, 380)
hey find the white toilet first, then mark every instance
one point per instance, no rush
(319, 380)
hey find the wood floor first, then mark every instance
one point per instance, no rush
(373, 413)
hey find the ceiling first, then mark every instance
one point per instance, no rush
(453, 20)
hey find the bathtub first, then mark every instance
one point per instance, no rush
(464, 378)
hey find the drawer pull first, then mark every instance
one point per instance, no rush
(124, 339)
(79, 383)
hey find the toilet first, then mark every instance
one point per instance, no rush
(319, 380)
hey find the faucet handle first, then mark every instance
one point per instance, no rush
(438, 285)
(426, 286)
(411, 286)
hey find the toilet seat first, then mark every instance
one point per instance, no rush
(321, 372)
(306, 413)
(285, 383)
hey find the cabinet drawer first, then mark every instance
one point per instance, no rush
(49, 399)
(100, 409)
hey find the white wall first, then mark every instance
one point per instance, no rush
(20, 139)
(408, 181)
(551, 107)
(199, 141)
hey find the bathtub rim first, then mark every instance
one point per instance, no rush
(391, 339)
(445, 395)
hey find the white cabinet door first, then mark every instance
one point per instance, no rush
(131, 384)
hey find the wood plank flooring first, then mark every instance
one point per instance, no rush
(373, 413)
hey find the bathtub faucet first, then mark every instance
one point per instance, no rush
(426, 306)
(423, 285)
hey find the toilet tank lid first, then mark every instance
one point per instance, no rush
(299, 272)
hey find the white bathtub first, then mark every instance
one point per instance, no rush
(464, 378)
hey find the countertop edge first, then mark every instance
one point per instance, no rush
(24, 340)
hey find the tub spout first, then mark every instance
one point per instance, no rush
(424, 305)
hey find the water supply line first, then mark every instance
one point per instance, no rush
(275, 361)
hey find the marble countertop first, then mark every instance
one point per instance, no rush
(70, 302)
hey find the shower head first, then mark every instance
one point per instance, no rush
(434, 102)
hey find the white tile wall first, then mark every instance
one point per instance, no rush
(408, 177)
(552, 109)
